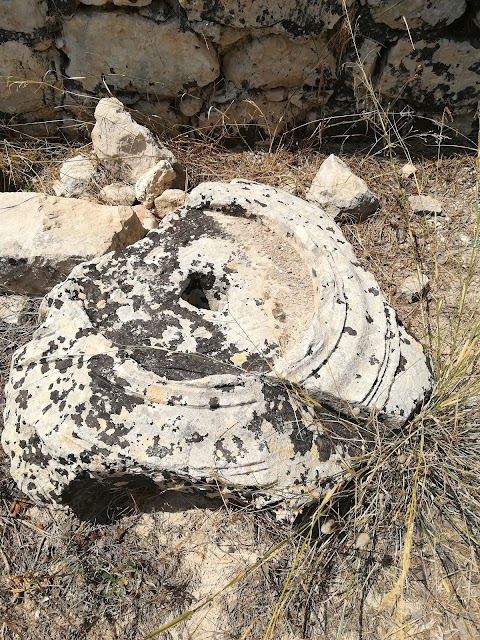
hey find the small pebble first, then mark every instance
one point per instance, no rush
(362, 541)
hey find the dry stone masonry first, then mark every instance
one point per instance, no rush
(219, 352)
(273, 63)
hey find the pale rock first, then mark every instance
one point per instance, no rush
(275, 61)
(168, 201)
(267, 13)
(161, 113)
(154, 182)
(166, 58)
(414, 287)
(76, 176)
(408, 170)
(362, 541)
(13, 308)
(44, 237)
(23, 15)
(445, 71)
(125, 147)
(223, 37)
(276, 95)
(146, 217)
(328, 526)
(118, 193)
(343, 195)
(23, 72)
(190, 105)
(416, 14)
(168, 356)
(425, 205)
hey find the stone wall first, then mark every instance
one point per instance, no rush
(206, 63)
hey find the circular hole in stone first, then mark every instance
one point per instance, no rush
(203, 291)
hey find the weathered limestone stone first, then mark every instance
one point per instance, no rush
(293, 14)
(168, 201)
(275, 61)
(76, 175)
(408, 170)
(258, 110)
(125, 147)
(44, 237)
(137, 54)
(22, 15)
(118, 193)
(22, 75)
(190, 105)
(417, 13)
(414, 287)
(154, 182)
(188, 358)
(425, 205)
(437, 73)
(342, 194)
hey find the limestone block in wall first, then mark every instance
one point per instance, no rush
(223, 37)
(298, 15)
(119, 3)
(22, 78)
(417, 13)
(22, 15)
(137, 54)
(436, 73)
(258, 110)
(44, 237)
(276, 61)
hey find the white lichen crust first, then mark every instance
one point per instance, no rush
(186, 357)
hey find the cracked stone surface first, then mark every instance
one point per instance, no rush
(186, 358)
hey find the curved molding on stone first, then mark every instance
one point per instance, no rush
(196, 355)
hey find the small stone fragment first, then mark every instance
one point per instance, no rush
(118, 193)
(408, 170)
(328, 526)
(123, 146)
(425, 205)
(168, 201)
(414, 287)
(362, 541)
(12, 308)
(343, 195)
(146, 217)
(154, 182)
(76, 175)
